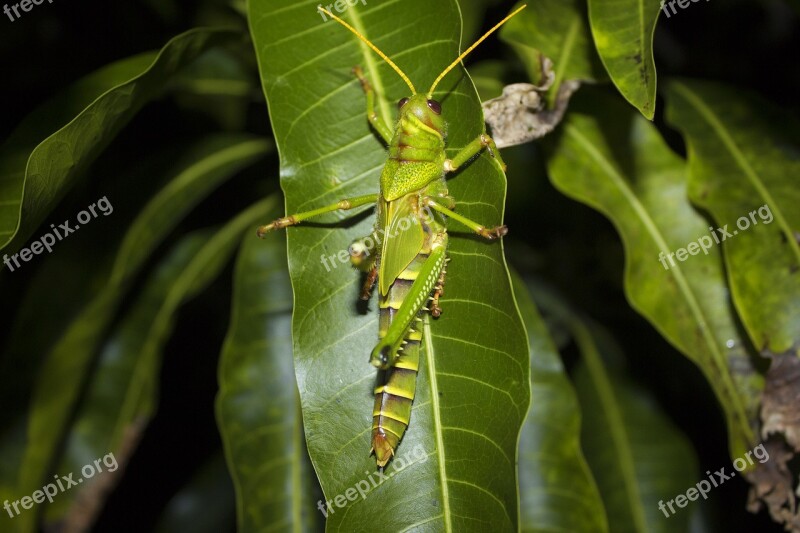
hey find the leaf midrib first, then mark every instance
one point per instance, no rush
(437, 422)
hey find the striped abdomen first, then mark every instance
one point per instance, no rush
(393, 399)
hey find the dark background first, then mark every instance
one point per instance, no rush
(750, 44)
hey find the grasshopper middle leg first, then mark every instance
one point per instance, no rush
(341, 205)
(483, 231)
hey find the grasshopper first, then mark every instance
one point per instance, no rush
(409, 264)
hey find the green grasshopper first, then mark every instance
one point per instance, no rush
(409, 266)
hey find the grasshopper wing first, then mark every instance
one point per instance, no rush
(403, 239)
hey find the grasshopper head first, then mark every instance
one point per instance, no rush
(428, 110)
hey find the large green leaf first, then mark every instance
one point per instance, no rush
(559, 30)
(61, 377)
(258, 408)
(637, 455)
(623, 33)
(473, 384)
(743, 159)
(617, 163)
(122, 396)
(46, 154)
(557, 490)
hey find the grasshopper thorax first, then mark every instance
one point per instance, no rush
(416, 151)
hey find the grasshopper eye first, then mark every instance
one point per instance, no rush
(402, 102)
(435, 106)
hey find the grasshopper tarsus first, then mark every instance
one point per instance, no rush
(493, 233)
(263, 230)
(276, 224)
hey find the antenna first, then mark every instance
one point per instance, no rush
(471, 48)
(375, 48)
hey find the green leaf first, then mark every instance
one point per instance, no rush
(557, 490)
(459, 453)
(637, 455)
(617, 163)
(559, 30)
(623, 33)
(122, 395)
(258, 407)
(47, 153)
(744, 160)
(61, 376)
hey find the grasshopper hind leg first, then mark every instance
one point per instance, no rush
(398, 351)
(438, 292)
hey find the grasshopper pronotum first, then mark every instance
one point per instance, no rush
(409, 266)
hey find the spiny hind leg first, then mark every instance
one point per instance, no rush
(376, 121)
(385, 352)
(341, 205)
(438, 292)
(483, 231)
(469, 151)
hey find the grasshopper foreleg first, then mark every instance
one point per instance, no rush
(363, 256)
(376, 121)
(341, 205)
(363, 252)
(483, 231)
(385, 352)
(472, 149)
(369, 283)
